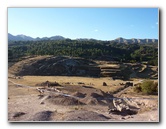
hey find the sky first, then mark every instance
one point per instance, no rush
(97, 23)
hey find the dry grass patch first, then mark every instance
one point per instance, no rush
(72, 80)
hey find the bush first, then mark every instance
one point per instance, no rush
(149, 87)
(155, 87)
(153, 62)
(137, 89)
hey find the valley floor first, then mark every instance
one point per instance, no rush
(27, 104)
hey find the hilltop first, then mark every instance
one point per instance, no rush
(22, 37)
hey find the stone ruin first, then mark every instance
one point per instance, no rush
(120, 106)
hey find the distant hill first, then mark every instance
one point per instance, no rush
(28, 38)
(134, 40)
(58, 37)
(19, 37)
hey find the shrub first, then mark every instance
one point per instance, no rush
(155, 87)
(137, 89)
(149, 87)
(153, 62)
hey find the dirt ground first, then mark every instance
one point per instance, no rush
(88, 104)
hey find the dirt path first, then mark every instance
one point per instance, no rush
(118, 94)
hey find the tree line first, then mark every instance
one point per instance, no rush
(90, 49)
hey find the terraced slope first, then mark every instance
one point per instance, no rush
(75, 66)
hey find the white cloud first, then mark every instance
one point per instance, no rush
(96, 30)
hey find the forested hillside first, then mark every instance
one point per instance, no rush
(92, 49)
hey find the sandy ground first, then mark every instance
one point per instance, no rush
(24, 104)
(112, 85)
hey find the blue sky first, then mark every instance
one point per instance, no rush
(98, 23)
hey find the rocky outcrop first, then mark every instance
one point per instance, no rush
(123, 106)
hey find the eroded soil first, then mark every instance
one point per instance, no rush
(75, 103)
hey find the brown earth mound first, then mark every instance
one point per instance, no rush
(47, 83)
(55, 66)
(42, 116)
(63, 100)
(79, 94)
(88, 95)
(95, 99)
(85, 116)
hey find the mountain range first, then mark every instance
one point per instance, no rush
(28, 38)
(57, 37)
